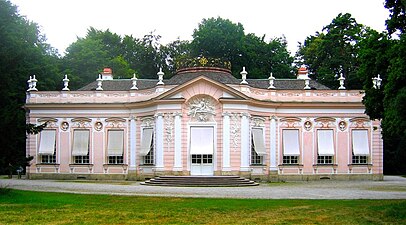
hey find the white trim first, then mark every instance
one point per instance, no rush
(226, 142)
(169, 107)
(133, 144)
(245, 144)
(159, 144)
(178, 143)
(273, 138)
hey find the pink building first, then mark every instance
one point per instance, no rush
(203, 121)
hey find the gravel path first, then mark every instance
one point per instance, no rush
(393, 187)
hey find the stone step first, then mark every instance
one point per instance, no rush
(203, 181)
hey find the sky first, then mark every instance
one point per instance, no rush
(62, 21)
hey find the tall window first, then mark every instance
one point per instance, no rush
(115, 146)
(147, 146)
(47, 149)
(360, 147)
(290, 142)
(257, 146)
(80, 150)
(325, 147)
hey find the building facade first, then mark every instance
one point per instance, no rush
(203, 121)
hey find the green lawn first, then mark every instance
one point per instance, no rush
(25, 207)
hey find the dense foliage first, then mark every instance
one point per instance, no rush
(220, 38)
(334, 51)
(23, 52)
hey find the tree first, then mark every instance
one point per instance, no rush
(397, 16)
(385, 56)
(374, 59)
(23, 52)
(173, 52)
(334, 51)
(221, 38)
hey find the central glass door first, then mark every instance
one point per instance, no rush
(201, 151)
(202, 164)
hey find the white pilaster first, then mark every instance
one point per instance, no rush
(133, 143)
(272, 156)
(245, 142)
(178, 142)
(226, 142)
(159, 146)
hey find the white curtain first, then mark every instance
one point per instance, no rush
(146, 141)
(47, 142)
(259, 143)
(290, 142)
(115, 143)
(201, 140)
(80, 142)
(325, 142)
(360, 146)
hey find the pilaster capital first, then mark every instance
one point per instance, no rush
(273, 117)
(157, 115)
(226, 114)
(175, 114)
(245, 115)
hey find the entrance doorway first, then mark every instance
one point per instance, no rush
(201, 151)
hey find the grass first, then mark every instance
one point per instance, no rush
(26, 207)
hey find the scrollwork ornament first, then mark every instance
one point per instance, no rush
(98, 126)
(64, 126)
(342, 125)
(308, 125)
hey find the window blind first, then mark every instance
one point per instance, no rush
(80, 143)
(47, 142)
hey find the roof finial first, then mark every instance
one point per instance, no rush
(29, 81)
(160, 77)
(34, 83)
(99, 83)
(341, 79)
(377, 81)
(65, 83)
(243, 76)
(134, 80)
(271, 79)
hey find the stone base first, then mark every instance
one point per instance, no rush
(273, 176)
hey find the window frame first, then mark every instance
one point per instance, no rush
(149, 159)
(255, 159)
(326, 159)
(48, 158)
(360, 159)
(81, 159)
(115, 159)
(291, 159)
